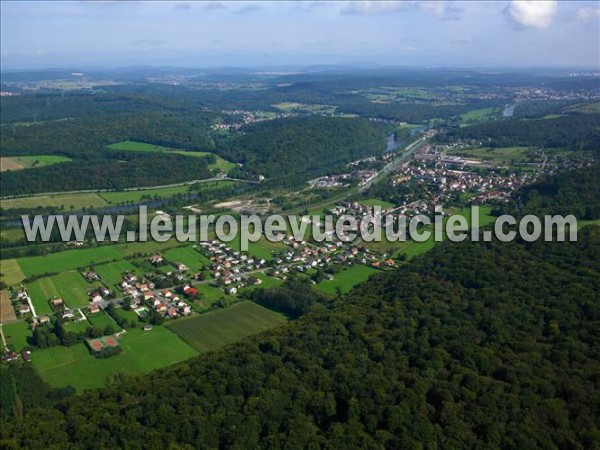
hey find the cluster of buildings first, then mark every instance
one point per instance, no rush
(360, 177)
(247, 118)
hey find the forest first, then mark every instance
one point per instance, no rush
(117, 170)
(279, 148)
(472, 345)
(571, 132)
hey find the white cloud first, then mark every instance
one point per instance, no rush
(532, 13)
(372, 7)
(588, 13)
(441, 9)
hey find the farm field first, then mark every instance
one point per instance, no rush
(7, 312)
(69, 259)
(27, 162)
(111, 272)
(68, 201)
(11, 272)
(216, 329)
(293, 106)
(40, 292)
(346, 279)
(134, 146)
(16, 335)
(143, 351)
(260, 249)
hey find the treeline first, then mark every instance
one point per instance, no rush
(117, 170)
(23, 390)
(72, 137)
(573, 132)
(472, 345)
(576, 193)
(293, 299)
(284, 147)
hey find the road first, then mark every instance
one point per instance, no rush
(402, 158)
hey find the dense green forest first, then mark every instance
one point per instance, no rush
(72, 137)
(117, 170)
(279, 148)
(573, 132)
(472, 345)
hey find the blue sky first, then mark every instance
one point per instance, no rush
(201, 34)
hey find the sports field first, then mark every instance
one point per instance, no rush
(143, 351)
(101, 320)
(346, 279)
(216, 329)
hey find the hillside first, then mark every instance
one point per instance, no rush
(303, 145)
(473, 345)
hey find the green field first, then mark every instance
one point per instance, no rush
(478, 115)
(267, 282)
(139, 195)
(68, 201)
(69, 259)
(134, 146)
(346, 279)
(11, 272)
(261, 249)
(101, 320)
(143, 351)
(497, 155)
(16, 335)
(111, 272)
(216, 329)
(71, 286)
(78, 326)
(376, 202)
(28, 162)
(189, 256)
(208, 295)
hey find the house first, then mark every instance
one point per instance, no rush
(231, 290)
(26, 354)
(185, 309)
(94, 308)
(147, 327)
(57, 302)
(171, 312)
(44, 319)
(156, 259)
(9, 356)
(91, 275)
(67, 314)
(254, 280)
(24, 308)
(161, 307)
(182, 267)
(95, 297)
(191, 291)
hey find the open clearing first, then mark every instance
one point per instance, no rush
(7, 312)
(134, 146)
(346, 279)
(143, 351)
(497, 155)
(27, 162)
(216, 329)
(68, 201)
(69, 286)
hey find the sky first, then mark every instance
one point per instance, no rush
(86, 34)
